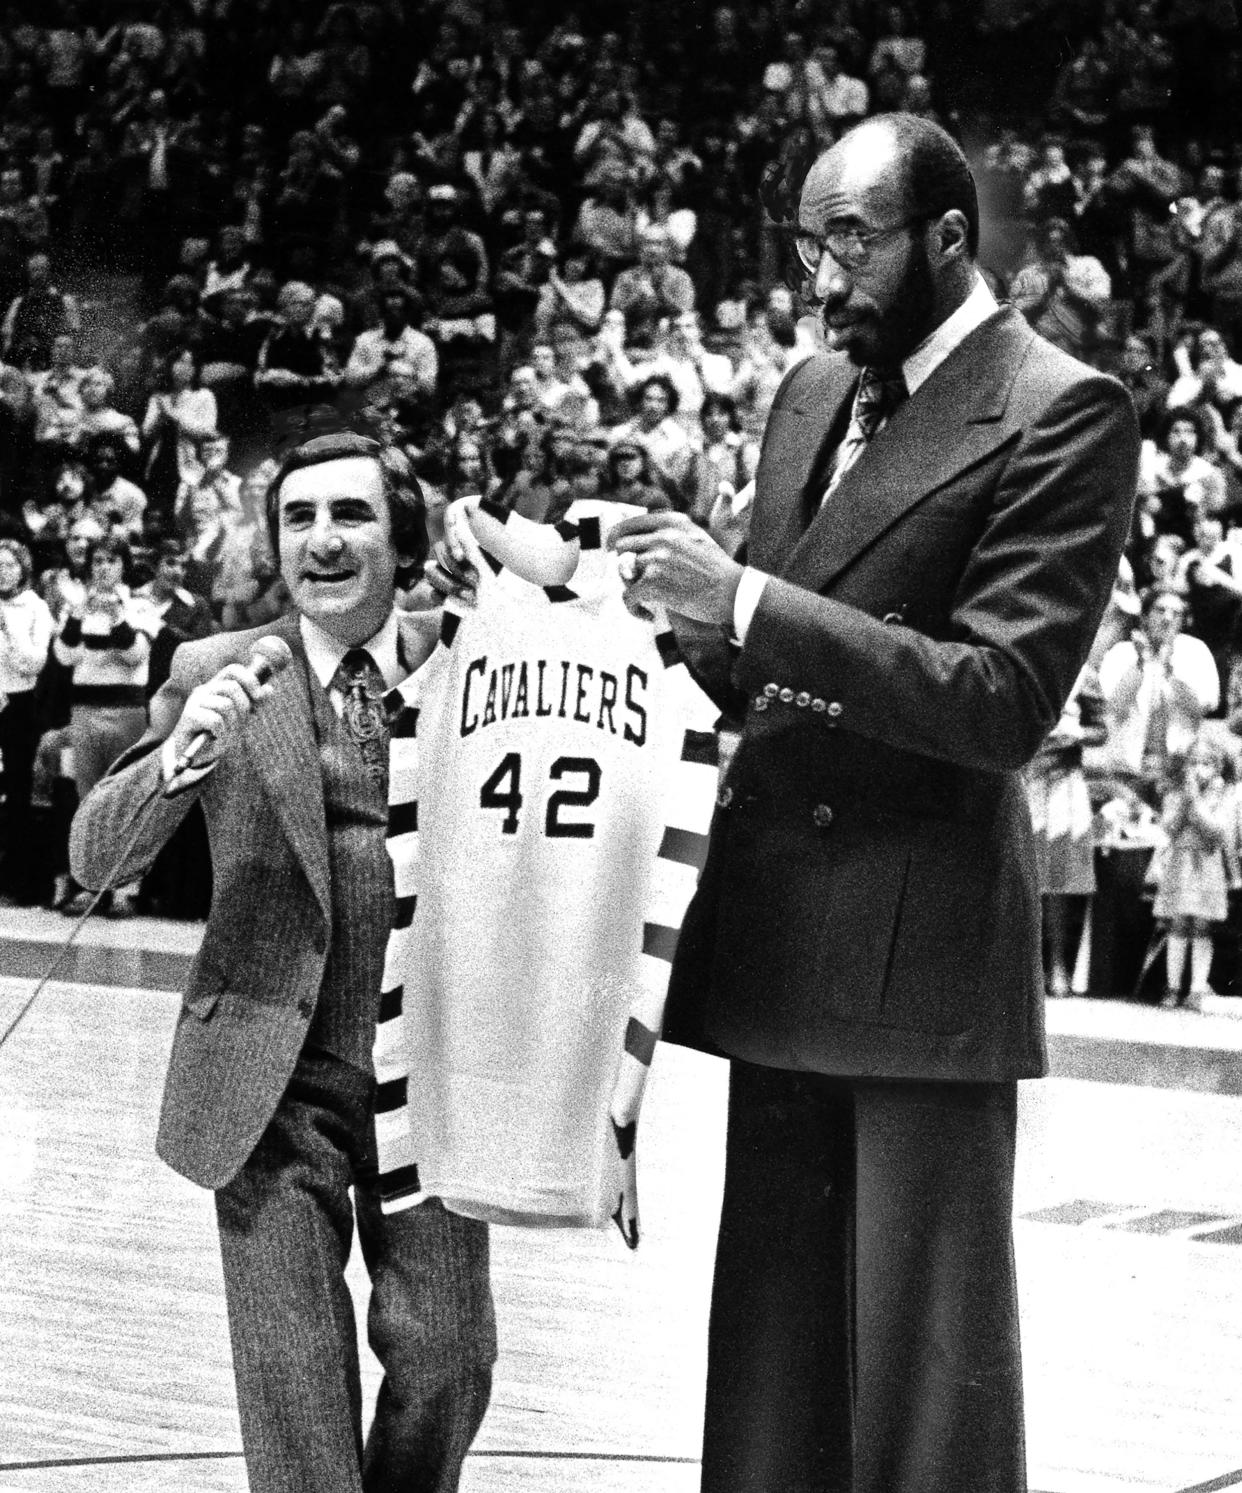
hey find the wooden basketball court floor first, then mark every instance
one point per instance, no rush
(114, 1369)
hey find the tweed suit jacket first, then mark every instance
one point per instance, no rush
(869, 902)
(255, 981)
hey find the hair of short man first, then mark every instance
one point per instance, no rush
(407, 508)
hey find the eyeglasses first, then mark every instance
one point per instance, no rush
(850, 247)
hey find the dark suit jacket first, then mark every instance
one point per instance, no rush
(869, 904)
(255, 981)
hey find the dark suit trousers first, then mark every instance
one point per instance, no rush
(286, 1226)
(864, 1324)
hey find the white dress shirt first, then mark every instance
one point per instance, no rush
(978, 306)
(323, 654)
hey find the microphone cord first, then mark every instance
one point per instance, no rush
(144, 814)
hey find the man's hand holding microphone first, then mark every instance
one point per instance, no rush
(216, 712)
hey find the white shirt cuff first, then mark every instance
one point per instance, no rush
(177, 782)
(746, 600)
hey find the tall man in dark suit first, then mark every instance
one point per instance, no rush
(270, 1093)
(933, 544)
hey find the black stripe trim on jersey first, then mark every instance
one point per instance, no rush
(700, 747)
(684, 847)
(568, 532)
(449, 624)
(392, 1003)
(666, 646)
(630, 1235)
(403, 911)
(401, 1183)
(495, 511)
(496, 565)
(402, 819)
(659, 942)
(404, 726)
(394, 704)
(625, 1135)
(589, 535)
(640, 1041)
(560, 593)
(390, 1095)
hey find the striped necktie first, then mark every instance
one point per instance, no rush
(362, 691)
(875, 399)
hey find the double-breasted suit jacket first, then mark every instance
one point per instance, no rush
(254, 984)
(869, 903)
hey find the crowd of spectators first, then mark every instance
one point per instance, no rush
(526, 242)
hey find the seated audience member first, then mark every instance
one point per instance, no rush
(1207, 375)
(680, 356)
(205, 529)
(123, 501)
(606, 225)
(177, 614)
(629, 476)
(215, 475)
(1157, 685)
(37, 317)
(573, 296)
(396, 353)
(1064, 295)
(297, 364)
(178, 417)
(25, 637)
(57, 397)
(651, 289)
(97, 417)
(723, 456)
(1175, 482)
(105, 638)
(656, 428)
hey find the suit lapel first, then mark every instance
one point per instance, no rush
(952, 422)
(793, 442)
(283, 749)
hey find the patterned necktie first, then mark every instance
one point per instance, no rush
(362, 689)
(875, 399)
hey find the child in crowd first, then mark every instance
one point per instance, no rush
(1193, 870)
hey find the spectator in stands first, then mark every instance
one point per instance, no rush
(1141, 374)
(1193, 871)
(1210, 576)
(523, 273)
(834, 99)
(229, 270)
(1175, 482)
(178, 615)
(1157, 685)
(211, 474)
(395, 354)
(1220, 249)
(1064, 295)
(296, 363)
(629, 475)
(652, 288)
(723, 457)
(658, 431)
(606, 222)
(57, 398)
(1207, 376)
(98, 417)
(178, 417)
(123, 502)
(573, 295)
(105, 638)
(25, 637)
(37, 317)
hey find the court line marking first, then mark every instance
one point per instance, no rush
(1216, 1484)
(140, 1457)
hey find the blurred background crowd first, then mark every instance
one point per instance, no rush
(526, 241)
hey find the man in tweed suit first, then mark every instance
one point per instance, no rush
(270, 1096)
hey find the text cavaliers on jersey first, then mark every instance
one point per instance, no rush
(560, 687)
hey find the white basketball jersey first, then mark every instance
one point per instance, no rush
(553, 774)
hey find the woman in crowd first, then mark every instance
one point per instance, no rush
(25, 638)
(105, 638)
(178, 416)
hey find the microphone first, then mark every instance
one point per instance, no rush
(268, 657)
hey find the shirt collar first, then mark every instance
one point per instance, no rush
(929, 354)
(324, 652)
